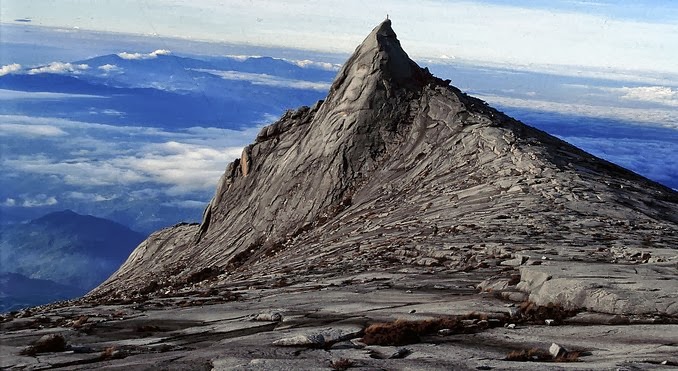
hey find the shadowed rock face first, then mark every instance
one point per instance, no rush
(397, 168)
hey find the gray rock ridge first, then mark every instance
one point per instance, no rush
(398, 168)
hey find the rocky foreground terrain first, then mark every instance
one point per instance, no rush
(398, 224)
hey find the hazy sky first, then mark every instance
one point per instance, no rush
(612, 35)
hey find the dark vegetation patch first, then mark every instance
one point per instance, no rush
(402, 332)
(532, 313)
(208, 273)
(46, 344)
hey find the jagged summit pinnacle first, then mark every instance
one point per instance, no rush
(381, 54)
(396, 168)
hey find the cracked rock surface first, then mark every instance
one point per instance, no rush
(323, 323)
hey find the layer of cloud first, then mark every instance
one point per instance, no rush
(59, 68)
(10, 68)
(98, 155)
(9, 202)
(90, 197)
(30, 130)
(151, 55)
(109, 68)
(39, 200)
(18, 94)
(268, 80)
(655, 94)
(305, 63)
(651, 116)
(658, 161)
(183, 166)
(180, 167)
(81, 125)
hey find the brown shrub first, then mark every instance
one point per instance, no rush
(533, 313)
(402, 332)
(529, 355)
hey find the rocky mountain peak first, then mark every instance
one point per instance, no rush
(379, 54)
(397, 168)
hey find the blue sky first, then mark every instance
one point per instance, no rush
(638, 36)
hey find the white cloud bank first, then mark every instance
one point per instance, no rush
(268, 80)
(655, 94)
(109, 68)
(303, 63)
(306, 63)
(649, 116)
(151, 55)
(39, 200)
(9, 202)
(658, 161)
(182, 162)
(30, 130)
(10, 68)
(90, 197)
(18, 94)
(59, 68)
(182, 167)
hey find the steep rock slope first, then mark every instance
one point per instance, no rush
(396, 167)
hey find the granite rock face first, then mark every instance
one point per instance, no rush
(398, 167)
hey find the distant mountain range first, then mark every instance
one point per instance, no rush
(59, 256)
